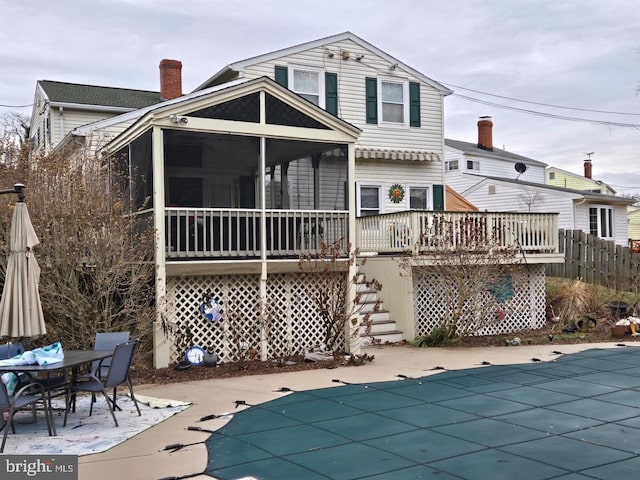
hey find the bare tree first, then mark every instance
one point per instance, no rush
(531, 199)
(97, 270)
(469, 284)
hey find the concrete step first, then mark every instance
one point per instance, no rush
(379, 316)
(386, 337)
(379, 327)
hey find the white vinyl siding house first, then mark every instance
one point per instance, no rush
(396, 108)
(575, 208)
(351, 93)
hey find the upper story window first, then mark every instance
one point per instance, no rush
(552, 175)
(392, 102)
(451, 165)
(601, 221)
(308, 82)
(473, 165)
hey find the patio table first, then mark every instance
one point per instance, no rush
(73, 360)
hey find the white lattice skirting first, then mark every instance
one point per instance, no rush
(523, 309)
(291, 323)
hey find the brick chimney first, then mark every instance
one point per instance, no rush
(587, 168)
(170, 79)
(485, 133)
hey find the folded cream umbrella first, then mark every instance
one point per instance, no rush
(20, 308)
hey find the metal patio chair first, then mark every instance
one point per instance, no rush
(117, 375)
(27, 396)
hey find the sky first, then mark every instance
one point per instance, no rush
(515, 60)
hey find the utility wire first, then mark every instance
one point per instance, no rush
(548, 115)
(540, 103)
(16, 106)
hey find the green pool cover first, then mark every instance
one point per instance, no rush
(577, 417)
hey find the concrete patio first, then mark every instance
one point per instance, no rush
(144, 457)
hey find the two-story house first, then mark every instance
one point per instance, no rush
(497, 180)
(273, 157)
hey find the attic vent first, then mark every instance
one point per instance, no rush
(492, 189)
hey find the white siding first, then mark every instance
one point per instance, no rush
(405, 173)
(516, 198)
(489, 167)
(573, 215)
(351, 95)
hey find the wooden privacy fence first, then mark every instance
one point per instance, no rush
(596, 261)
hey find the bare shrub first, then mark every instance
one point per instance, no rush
(331, 289)
(97, 270)
(471, 278)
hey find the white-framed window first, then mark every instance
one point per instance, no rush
(419, 197)
(552, 175)
(473, 165)
(393, 102)
(369, 199)
(601, 221)
(308, 82)
(450, 165)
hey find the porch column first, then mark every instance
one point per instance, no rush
(161, 344)
(315, 163)
(263, 248)
(284, 186)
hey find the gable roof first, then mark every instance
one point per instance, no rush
(600, 197)
(580, 177)
(182, 106)
(63, 93)
(242, 64)
(473, 149)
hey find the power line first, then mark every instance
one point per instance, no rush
(16, 106)
(548, 115)
(540, 103)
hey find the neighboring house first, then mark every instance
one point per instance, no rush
(562, 178)
(633, 214)
(60, 107)
(500, 181)
(273, 156)
(464, 161)
(602, 215)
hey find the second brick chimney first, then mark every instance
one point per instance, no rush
(485, 133)
(170, 79)
(587, 168)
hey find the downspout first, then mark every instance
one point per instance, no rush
(575, 212)
(61, 111)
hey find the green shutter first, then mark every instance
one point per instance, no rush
(438, 197)
(372, 99)
(331, 92)
(282, 76)
(414, 104)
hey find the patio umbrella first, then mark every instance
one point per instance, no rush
(20, 308)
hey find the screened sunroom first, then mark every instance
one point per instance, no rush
(247, 171)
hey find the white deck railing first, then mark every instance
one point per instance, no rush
(423, 231)
(219, 233)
